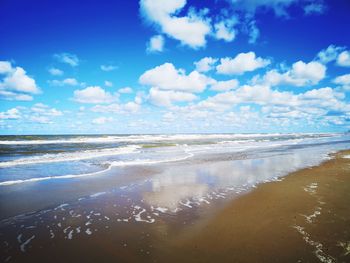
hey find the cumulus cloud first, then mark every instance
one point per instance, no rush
(205, 64)
(190, 30)
(64, 82)
(240, 64)
(329, 54)
(131, 106)
(179, 21)
(94, 94)
(108, 83)
(125, 90)
(55, 72)
(108, 67)
(323, 94)
(312, 103)
(5, 67)
(314, 8)
(45, 110)
(301, 74)
(156, 44)
(18, 80)
(343, 81)
(128, 107)
(11, 114)
(67, 58)
(9, 95)
(38, 113)
(166, 98)
(102, 120)
(225, 85)
(111, 108)
(279, 7)
(15, 83)
(167, 77)
(225, 29)
(344, 59)
(40, 119)
(253, 32)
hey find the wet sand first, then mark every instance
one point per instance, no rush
(303, 218)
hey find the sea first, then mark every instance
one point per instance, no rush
(33, 158)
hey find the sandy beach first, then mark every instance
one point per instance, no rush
(303, 217)
(177, 131)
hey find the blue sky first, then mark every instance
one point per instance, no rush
(175, 66)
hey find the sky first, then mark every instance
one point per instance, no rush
(175, 66)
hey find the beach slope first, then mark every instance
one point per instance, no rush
(304, 218)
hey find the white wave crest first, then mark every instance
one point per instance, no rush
(159, 138)
(111, 164)
(73, 156)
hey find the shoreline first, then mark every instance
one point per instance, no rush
(277, 219)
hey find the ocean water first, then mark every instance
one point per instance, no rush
(26, 159)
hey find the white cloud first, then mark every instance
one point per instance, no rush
(40, 119)
(225, 85)
(5, 67)
(65, 82)
(55, 72)
(102, 120)
(167, 98)
(19, 81)
(167, 77)
(243, 62)
(343, 81)
(139, 97)
(344, 59)
(156, 44)
(312, 103)
(9, 95)
(311, 72)
(108, 83)
(329, 54)
(314, 8)
(67, 58)
(252, 6)
(225, 29)
(94, 94)
(253, 32)
(129, 107)
(16, 84)
(45, 110)
(108, 67)
(301, 74)
(11, 114)
(125, 90)
(190, 30)
(205, 64)
(111, 108)
(182, 22)
(323, 94)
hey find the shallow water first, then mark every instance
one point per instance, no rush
(35, 158)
